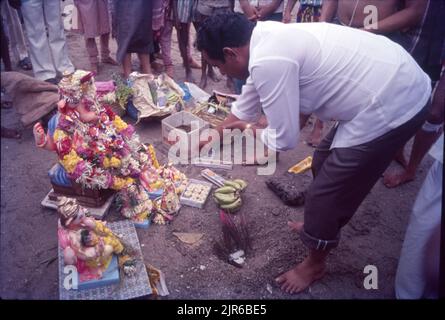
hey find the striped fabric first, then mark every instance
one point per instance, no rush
(186, 9)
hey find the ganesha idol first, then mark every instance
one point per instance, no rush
(90, 246)
(97, 150)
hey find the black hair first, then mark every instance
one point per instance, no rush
(222, 30)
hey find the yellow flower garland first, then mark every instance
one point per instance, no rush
(70, 161)
(119, 124)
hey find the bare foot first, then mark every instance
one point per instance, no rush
(301, 276)
(95, 68)
(110, 60)
(394, 179)
(194, 64)
(400, 158)
(170, 71)
(295, 226)
(203, 83)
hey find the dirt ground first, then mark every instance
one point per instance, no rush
(28, 269)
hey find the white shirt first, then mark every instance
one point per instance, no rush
(257, 3)
(436, 150)
(368, 83)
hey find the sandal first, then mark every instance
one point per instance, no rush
(25, 64)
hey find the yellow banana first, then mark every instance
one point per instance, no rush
(233, 184)
(241, 182)
(226, 190)
(225, 199)
(233, 206)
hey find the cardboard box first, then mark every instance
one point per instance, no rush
(181, 127)
(188, 201)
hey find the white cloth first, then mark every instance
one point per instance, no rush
(436, 150)
(49, 55)
(257, 3)
(418, 270)
(368, 83)
(15, 32)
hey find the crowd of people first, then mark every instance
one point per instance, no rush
(380, 77)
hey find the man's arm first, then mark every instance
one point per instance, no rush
(424, 139)
(287, 14)
(249, 11)
(277, 84)
(411, 15)
(328, 10)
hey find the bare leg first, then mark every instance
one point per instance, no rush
(422, 142)
(302, 275)
(183, 39)
(400, 157)
(126, 65)
(5, 50)
(203, 83)
(105, 50)
(192, 62)
(90, 44)
(145, 62)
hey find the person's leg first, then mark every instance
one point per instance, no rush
(411, 278)
(192, 62)
(40, 53)
(56, 37)
(183, 39)
(105, 50)
(5, 49)
(144, 59)
(165, 43)
(422, 142)
(16, 36)
(203, 81)
(126, 65)
(340, 185)
(91, 46)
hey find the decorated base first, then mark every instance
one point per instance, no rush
(142, 225)
(96, 212)
(128, 287)
(110, 276)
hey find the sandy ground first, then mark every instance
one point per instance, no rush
(28, 269)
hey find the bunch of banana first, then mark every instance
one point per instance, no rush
(228, 197)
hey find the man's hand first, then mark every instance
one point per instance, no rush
(286, 17)
(249, 11)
